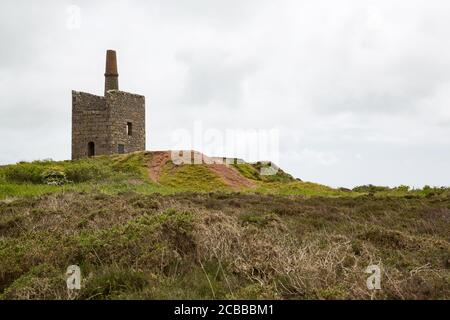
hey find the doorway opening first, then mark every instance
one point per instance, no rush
(91, 149)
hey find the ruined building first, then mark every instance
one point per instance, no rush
(113, 123)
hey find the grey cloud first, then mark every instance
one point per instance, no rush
(213, 78)
(339, 78)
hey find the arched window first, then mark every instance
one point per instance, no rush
(91, 149)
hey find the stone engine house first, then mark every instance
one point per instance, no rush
(109, 124)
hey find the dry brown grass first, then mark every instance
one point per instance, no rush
(224, 246)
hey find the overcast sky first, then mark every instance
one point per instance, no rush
(358, 91)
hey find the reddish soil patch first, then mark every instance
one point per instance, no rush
(230, 176)
(159, 159)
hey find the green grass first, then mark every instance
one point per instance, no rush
(191, 178)
(248, 171)
(128, 173)
(252, 171)
(108, 174)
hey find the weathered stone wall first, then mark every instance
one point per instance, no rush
(111, 83)
(103, 121)
(90, 123)
(126, 108)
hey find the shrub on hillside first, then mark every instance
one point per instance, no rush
(23, 172)
(47, 161)
(370, 188)
(85, 171)
(112, 282)
(402, 188)
(42, 281)
(432, 191)
(270, 172)
(54, 177)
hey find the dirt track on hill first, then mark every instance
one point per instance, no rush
(230, 176)
(159, 159)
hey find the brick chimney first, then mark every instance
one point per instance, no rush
(111, 75)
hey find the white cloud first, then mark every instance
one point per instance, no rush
(339, 78)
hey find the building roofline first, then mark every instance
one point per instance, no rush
(124, 93)
(74, 92)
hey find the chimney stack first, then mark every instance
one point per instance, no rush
(111, 75)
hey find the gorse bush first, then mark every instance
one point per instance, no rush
(271, 172)
(402, 188)
(54, 177)
(86, 171)
(370, 188)
(24, 173)
(42, 173)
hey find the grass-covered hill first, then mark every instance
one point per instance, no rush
(141, 227)
(148, 172)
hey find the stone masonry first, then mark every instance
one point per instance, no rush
(109, 124)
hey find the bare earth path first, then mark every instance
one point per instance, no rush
(159, 159)
(230, 176)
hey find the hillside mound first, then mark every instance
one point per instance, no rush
(225, 169)
(153, 172)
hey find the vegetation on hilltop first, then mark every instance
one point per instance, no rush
(129, 173)
(192, 235)
(224, 245)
